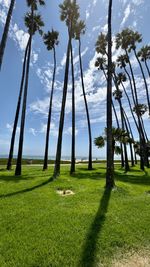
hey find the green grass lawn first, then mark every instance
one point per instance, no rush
(38, 227)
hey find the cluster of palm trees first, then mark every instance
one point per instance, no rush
(122, 71)
(34, 23)
(115, 73)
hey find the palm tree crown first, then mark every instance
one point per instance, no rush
(144, 53)
(34, 23)
(69, 13)
(51, 39)
(127, 39)
(101, 44)
(34, 3)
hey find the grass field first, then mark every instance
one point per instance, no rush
(93, 227)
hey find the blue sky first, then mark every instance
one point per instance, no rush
(133, 13)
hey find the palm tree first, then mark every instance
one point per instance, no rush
(101, 47)
(101, 44)
(80, 29)
(72, 168)
(51, 41)
(9, 163)
(5, 31)
(130, 133)
(132, 140)
(110, 161)
(128, 40)
(135, 37)
(34, 23)
(123, 41)
(144, 55)
(69, 14)
(118, 95)
(122, 61)
(101, 65)
(118, 136)
(121, 78)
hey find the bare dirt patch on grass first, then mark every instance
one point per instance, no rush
(65, 192)
(133, 260)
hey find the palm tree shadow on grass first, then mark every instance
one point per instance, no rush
(90, 247)
(26, 190)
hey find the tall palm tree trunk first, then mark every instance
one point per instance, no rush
(141, 134)
(5, 32)
(145, 82)
(124, 145)
(135, 101)
(128, 131)
(146, 65)
(117, 121)
(131, 85)
(62, 114)
(122, 155)
(72, 169)
(110, 161)
(87, 111)
(23, 115)
(129, 102)
(131, 132)
(9, 163)
(45, 165)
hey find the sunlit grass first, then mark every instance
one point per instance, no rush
(38, 227)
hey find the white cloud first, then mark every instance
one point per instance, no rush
(32, 131)
(127, 12)
(5, 3)
(10, 128)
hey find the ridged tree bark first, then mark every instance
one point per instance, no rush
(45, 165)
(9, 163)
(72, 169)
(62, 114)
(23, 115)
(110, 161)
(87, 111)
(5, 32)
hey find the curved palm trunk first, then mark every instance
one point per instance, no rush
(87, 111)
(129, 102)
(110, 160)
(5, 32)
(128, 131)
(23, 115)
(117, 121)
(140, 124)
(146, 65)
(9, 163)
(146, 86)
(72, 169)
(141, 134)
(122, 156)
(131, 86)
(45, 165)
(62, 115)
(124, 145)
